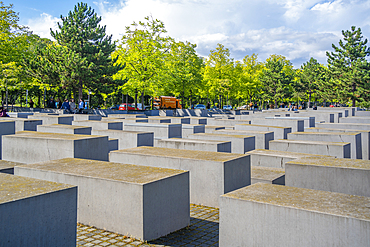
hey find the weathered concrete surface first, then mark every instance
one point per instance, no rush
(198, 120)
(53, 119)
(189, 129)
(161, 130)
(19, 114)
(356, 126)
(211, 128)
(275, 159)
(31, 147)
(100, 125)
(128, 139)
(159, 120)
(296, 125)
(211, 174)
(330, 174)
(353, 138)
(35, 212)
(126, 116)
(226, 122)
(268, 175)
(113, 144)
(24, 124)
(240, 144)
(362, 120)
(309, 122)
(262, 137)
(6, 128)
(195, 144)
(363, 114)
(126, 120)
(64, 129)
(279, 132)
(335, 149)
(85, 117)
(8, 166)
(365, 138)
(274, 215)
(141, 201)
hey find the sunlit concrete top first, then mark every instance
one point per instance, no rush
(45, 135)
(182, 153)
(268, 173)
(332, 162)
(339, 204)
(325, 133)
(105, 170)
(9, 164)
(193, 140)
(223, 135)
(14, 188)
(284, 154)
(64, 126)
(269, 126)
(311, 142)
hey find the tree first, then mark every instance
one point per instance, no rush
(349, 67)
(183, 70)
(276, 75)
(309, 77)
(143, 50)
(81, 34)
(218, 72)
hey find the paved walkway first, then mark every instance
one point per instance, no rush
(202, 231)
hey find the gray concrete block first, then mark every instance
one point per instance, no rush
(362, 120)
(356, 126)
(64, 129)
(139, 201)
(53, 119)
(274, 215)
(198, 120)
(296, 125)
(113, 144)
(275, 159)
(335, 149)
(8, 166)
(309, 122)
(363, 114)
(263, 138)
(211, 128)
(6, 128)
(211, 174)
(126, 120)
(35, 212)
(31, 147)
(329, 174)
(20, 114)
(240, 144)
(100, 125)
(279, 132)
(353, 138)
(189, 129)
(126, 116)
(161, 130)
(159, 120)
(180, 120)
(128, 139)
(85, 117)
(226, 122)
(194, 144)
(365, 138)
(268, 175)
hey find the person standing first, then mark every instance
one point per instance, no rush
(31, 103)
(80, 106)
(72, 106)
(51, 103)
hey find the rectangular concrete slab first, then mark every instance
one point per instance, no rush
(279, 132)
(226, 122)
(194, 144)
(335, 149)
(275, 159)
(159, 120)
(330, 174)
(357, 126)
(268, 175)
(211, 128)
(198, 120)
(211, 174)
(128, 139)
(296, 125)
(240, 144)
(362, 120)
(64, 129)
(31, 147)
(189, 129)
(85, 117)
(8, 166)
(275, 215)
(126, 116)
(140, 201)
(262, 138)
(53, 119)
(353, 138)
(35, 212)
(6, 128)
(161, 130)
(100, 125)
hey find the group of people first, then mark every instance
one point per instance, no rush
(66, 105)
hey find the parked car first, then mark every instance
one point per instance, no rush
(200, 106)
(227, 107)
(123, 107)
(243, 107)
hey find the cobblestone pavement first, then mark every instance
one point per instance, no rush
(202, 231)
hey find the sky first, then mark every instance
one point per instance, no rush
(296, 29)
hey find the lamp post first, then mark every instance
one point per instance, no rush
(89, 98)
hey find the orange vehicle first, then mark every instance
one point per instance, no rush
(167, 102)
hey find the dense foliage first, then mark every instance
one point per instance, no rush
(146, 62)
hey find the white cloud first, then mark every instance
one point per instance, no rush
(297, 29)
(41, 26)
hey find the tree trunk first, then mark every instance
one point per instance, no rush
(135, 99)
(353, 97)
(309, 98)
(126, 101)
(220, 102)
(142, 101)
(80, 89)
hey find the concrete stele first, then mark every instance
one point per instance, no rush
(8, 166)
(194, 144)
(64, 129)
(274, 215)
(141, 201)
(279, 132)
(211, 174)
(35, 212)
(128, 139)
(267, 175)
(330, 174)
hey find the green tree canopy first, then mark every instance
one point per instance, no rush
(81, 34)
(349, 67)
